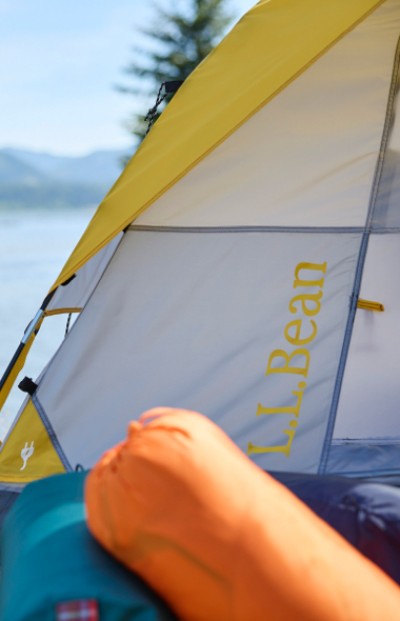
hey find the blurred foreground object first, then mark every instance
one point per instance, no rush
(178, 503)
(53, 569)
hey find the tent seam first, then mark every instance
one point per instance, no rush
(394, 86)
(244, 229)
(51, 433)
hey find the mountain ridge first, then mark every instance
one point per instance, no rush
(30, 179)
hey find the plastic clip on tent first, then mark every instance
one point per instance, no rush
(217, 538)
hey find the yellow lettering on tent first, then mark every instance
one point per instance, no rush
(28, 453)
(298, 332)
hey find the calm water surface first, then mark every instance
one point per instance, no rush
(33, 248)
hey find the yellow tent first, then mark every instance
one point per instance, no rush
(235, 266)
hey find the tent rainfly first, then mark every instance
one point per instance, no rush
(245, 263)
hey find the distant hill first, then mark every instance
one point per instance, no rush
(32, 180)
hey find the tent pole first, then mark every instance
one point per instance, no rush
(18, 359)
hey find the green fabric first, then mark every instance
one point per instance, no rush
(49, 556)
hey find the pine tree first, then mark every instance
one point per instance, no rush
(180, 38)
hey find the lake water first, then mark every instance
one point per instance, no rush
(33, 248)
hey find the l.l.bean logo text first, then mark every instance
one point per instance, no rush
(299, 333)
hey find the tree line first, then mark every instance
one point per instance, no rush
(179, 39)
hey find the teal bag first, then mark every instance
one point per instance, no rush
(51, 565)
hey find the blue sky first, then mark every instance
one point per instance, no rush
(60, 61)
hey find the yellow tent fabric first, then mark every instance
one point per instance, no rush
(29, 454)
(271, 46)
